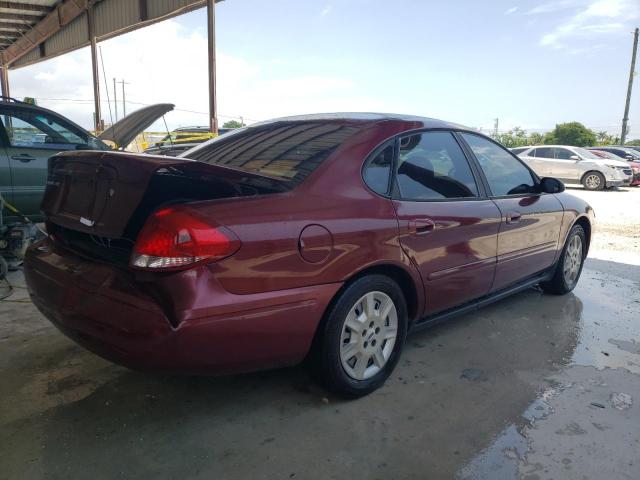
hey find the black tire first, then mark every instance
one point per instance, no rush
(326, 361)
(559, 284)
(594, 181)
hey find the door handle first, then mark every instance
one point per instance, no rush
(513, 217)
(23, 157)
(421, 226)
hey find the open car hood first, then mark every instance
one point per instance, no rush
(126, 129)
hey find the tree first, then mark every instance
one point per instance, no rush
(571, 133)
(635, 142)
(233, 124)
(518, 137)
(536, 138)
(605, 138)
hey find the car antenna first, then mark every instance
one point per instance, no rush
(167, 129)
(104, 74)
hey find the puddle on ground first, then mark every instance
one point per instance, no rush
(607, 337)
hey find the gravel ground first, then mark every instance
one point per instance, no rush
(617, 235)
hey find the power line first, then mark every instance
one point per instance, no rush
(133, 102)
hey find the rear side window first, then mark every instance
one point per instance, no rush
(377, 171)
(504, 172)
(544, 152)
(287, 151)
(432, 166)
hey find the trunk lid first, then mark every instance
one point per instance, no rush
(111, 194)
(126, 129)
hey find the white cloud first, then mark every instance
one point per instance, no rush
(511, 10)
(325, 11)
(167, 63)
(593, 18)
(553, 6)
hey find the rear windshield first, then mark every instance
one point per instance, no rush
(286, 151)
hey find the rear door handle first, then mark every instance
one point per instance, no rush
(513, 217)
(421, 226)
(23, 157)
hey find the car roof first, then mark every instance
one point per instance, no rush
(365, 117)
(555, 146)
(617, 147)
(188, 129)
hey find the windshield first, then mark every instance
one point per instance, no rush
(584, 153)
(286, 150)
(632, 152)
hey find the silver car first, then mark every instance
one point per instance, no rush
(577, 165)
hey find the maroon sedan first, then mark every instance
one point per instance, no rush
(326, 237)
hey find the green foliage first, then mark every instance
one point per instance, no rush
(571, 133)
(517, 137)
(536, 138)
(635, 142)
(233, 124)
(604, 138)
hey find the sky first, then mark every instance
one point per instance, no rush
(528, 63)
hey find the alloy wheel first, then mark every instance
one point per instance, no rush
(592, 182)
(368, 335)
(572, 260)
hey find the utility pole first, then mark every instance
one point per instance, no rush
(115, 98)
(625, 119)
(495, 128)
(124, 107)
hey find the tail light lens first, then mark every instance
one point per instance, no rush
(178, 237)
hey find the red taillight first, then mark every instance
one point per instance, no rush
(178, 237)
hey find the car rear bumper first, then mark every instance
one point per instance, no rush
(120, 316)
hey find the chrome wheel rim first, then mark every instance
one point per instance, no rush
(592, 181)
(368, 335)
(573, 260)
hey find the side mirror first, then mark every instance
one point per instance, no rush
(574, 157)
(551, 185)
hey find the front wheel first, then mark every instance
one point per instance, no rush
(362, 337)
(594, 181)
(569, 266)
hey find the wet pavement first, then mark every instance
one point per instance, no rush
(533, 387)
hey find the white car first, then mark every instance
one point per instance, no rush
(577, 165)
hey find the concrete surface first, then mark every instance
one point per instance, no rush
(533, 387)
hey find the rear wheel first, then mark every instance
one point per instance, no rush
(569, 266)
(362, 337)
(594, 181)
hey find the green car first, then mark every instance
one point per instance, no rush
(30, 134)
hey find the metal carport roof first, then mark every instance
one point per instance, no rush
(35, 30)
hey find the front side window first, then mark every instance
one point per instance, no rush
(287, 150)
(26, 128)
(564, 154)
(377, 170)
(432, 166)
(504, 172)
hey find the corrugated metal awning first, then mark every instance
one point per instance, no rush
(35, 30)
